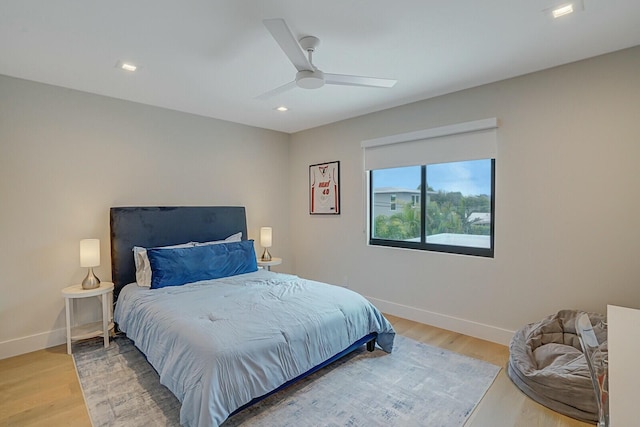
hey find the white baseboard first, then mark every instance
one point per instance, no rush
(31, 343)
(462, 326)
(44, 340)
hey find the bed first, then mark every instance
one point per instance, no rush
(226, 339)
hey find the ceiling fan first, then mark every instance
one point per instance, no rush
(308, 75)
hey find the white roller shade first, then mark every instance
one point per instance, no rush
(464, 141)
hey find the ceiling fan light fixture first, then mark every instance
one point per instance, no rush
(310, 79)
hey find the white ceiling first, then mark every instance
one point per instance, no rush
(214, 57)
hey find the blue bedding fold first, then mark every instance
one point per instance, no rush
(218, 344)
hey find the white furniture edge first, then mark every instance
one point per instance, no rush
(76, 292)
(274, 261)
(269, 264)
(624, 373)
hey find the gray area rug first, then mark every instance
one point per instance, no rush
(416, 385)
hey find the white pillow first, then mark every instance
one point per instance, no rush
(233, 238)
(143, 268)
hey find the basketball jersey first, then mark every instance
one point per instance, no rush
(324, 189)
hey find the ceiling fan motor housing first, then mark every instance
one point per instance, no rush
(310, 79)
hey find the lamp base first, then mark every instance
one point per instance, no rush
(266, 256)
(91, 281)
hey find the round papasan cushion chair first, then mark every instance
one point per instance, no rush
(546, 362)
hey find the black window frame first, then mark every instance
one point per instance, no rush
(433, 247)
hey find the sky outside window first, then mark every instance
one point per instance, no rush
(471, 177)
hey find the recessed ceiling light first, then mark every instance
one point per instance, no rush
(562, 10)
(127, 66)
(282, 109)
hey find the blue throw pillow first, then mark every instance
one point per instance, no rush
(175, 267)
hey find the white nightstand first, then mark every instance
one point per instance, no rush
(91, 329)
(268, 264)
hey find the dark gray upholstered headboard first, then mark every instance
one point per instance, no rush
(161, 226)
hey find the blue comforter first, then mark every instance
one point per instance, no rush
(217, 344)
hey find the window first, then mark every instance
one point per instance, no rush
(434, 189)
(458, 207)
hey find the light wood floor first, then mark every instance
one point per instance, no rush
(504, 405)
(42, 389)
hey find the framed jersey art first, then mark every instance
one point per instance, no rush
(324, 188)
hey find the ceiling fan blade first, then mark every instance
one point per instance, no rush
(277, 91)
(347, 80)
(288, 43)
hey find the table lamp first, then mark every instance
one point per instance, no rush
(90, 257)
(265, 242)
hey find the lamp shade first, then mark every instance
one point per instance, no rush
(89, 252)
(265, 237)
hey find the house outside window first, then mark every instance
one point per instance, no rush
(392, 199)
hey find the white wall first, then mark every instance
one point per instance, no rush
(566, 197)
(66, 157)
(567, 203)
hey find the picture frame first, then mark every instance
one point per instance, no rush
(324, 188)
